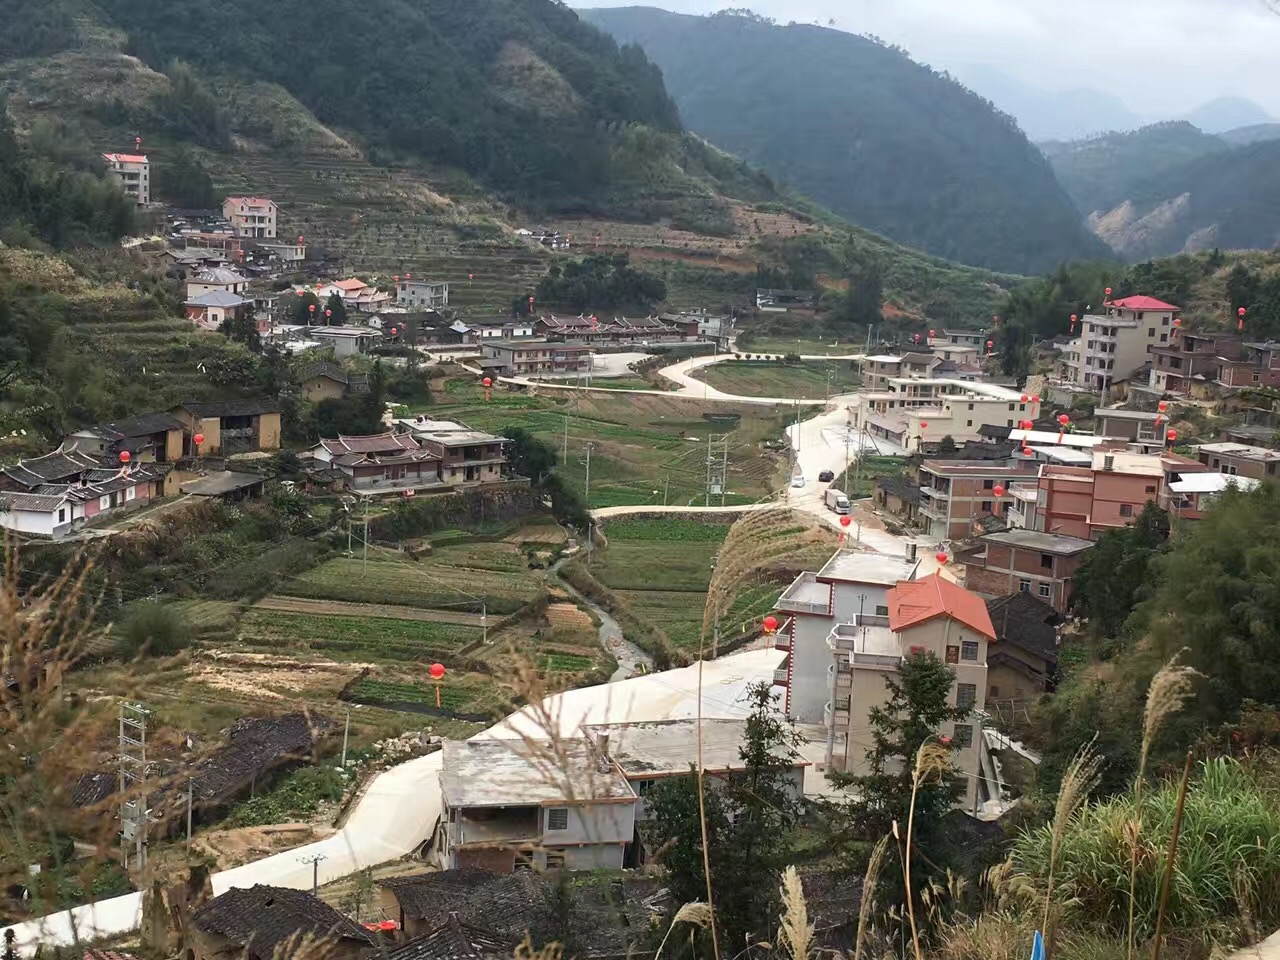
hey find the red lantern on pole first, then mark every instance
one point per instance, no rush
(328, 314)
(1035, 398)
(990, 344)
(408, 277)
(1024, 398)
(1107, 291)
(1026, 451)
(1171, 435)
(198, 438)
(941, 557)
(470, 277)
(137, 142)
(771, 623)
(998, 490)
(923, 425)
(302, 293)
(312, 309)
(1074, 318)
(846, 520)
(125, 456)
(437, 674)
(931, 334)
(487, 384)
(394, 331)
(396, 278)
(1063, 419)
(301, 242)
(1240, 313)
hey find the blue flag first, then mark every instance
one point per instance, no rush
(1037, 947)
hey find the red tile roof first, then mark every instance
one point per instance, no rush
(1143, 303)
(125, 157)
(352, 284)
(913, 602)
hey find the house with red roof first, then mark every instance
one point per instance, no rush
(867, 646)
(133, 170)
(253, 217)
(1118, 343)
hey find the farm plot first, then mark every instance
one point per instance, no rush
(363, 638)
(811, 380)
(471, 696)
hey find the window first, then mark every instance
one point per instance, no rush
(1151, 489)
(993, 691)
(963, 737)
(1164, 338)
(558, 818)
(1024, 586)
(988, 484)
(644, 786)
(1046, 561)
(966, 695)
(953, 653)
(882, 610)
(1126, 509)
(968, 423)
(555, 861)
(1045, 591)
(1151, 332)
(62, 514)
(969, 650)
(1011, 406)
(986, 506)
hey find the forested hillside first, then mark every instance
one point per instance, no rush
(884, 141)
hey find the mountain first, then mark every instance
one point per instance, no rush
(1227, 113)
(1101, 172)
(1049, 114)
(1256, 133)
(877, 138)
(1226, 199)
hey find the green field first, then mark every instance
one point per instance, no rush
(355, 637)
(870, 469)
(805, 346)
(645, 446)
(464, 693)
(811, 380)
(454, 578)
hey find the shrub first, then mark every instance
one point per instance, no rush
(150, 629)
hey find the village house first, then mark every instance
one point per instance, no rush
(63, 505)
(524, 358)
(287, 252)
(1194, 493)
(151, 437)
(1136, 426)
(1256, 365)
(971, 339)
(455, 940)
(209, 311)
(912, 413)
(647, 753)
(422, 293)
(1042, 565)
(262, 923)
(465, 456)
(900, 496)
(420, 902)
(477, 330)
(384, 463)
(954, 494)
(356, 295)
(849, 584)
(780, 301)
(133, 171)
(506, 808)
(1024, 661)
(253, 217)
(1188, 364)
(328, 381)
(217, 280)
(864, 649)
(346, 341)
(230, 426)
(1112, 346)
(1239, 460)
(193, 258)
(878, 370)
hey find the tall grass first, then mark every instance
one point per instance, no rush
(1227, 873)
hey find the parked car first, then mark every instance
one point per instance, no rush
(797, 481)
(826, 476)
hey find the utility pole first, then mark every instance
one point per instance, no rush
(364, 569)
(707, 500)
(133, 782)
(314, 859)
(189, 799)
(346, 735)
(484, 620)
(587, 485)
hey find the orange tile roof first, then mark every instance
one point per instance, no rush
(913, 602)
(125, 157)
(351, 284)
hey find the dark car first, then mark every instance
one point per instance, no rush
(826, 476)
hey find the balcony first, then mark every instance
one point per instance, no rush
(836, 715)
(938, 493)
(806, 595)
(782, 637)
(780, 677)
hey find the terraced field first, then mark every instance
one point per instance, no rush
(351, 638)
(811, 380)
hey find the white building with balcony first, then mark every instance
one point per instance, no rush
(911, 411)
(253, 217)
(133, 170)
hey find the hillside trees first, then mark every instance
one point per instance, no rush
(601, 282)
(1113, 574)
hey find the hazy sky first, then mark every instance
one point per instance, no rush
(1162, 57)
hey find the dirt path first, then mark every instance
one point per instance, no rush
(340, 608)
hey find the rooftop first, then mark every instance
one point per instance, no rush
(31, 502)
(431, 896)
(1133, 464)
(1245, 450)
(1116, 413)
(58, 465)
(247, 407)
(345, 332)
(217, 298)
(806, 589)
(261, 918)
(1143, 303)
(917, 601)
(375, 443)
(1209, 482)
(1027, 622)
(980, 468)
(511, 773)
(1044, 542)
(219, 275)
(221, 483)
(125, 157)
(1067, 455)
(670, 746)
(455, 940)
(421, 423)
(457, 437)
(250, 201)
(1048, 438)
(847, 566)
(143, 425)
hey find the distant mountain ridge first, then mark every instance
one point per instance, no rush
(874, 136)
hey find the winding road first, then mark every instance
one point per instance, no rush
(399, 810)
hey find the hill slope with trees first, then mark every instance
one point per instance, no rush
(879, 139)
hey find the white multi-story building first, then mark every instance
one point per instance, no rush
(422, 293)
(909, 411)
(253, 217)
(1114, 345)
(861, 649)
(133, 170)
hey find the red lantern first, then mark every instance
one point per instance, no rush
(1026, 451)
(1063, 419)
(302, 293)
(312, 308)
(299, 239)
(396, 278)
(487, 382)
(198, 438)
(1241, 312)
(1163, 406)
(845, 521)
(1177, 321)
(931, 334)
(945, 741)
(394, 331)
(1035, 398)
(923, 425)
(137, 142)
(1074, 318)
(1171, 435)
(470, 277)
(328, 313)
(990, 344)
(408, 277)
(941, 556)
(998, 490)
(125, 456)
(437, 671)
(771, 623)
(1107, 291)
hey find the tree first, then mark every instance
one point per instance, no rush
(335, 312)
(947, 446)
(1113, 574)
(183, 181)
(301, 313)
(242, 327)
(917, 706)
(749, 822)
(529, 456)
(864, 303)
